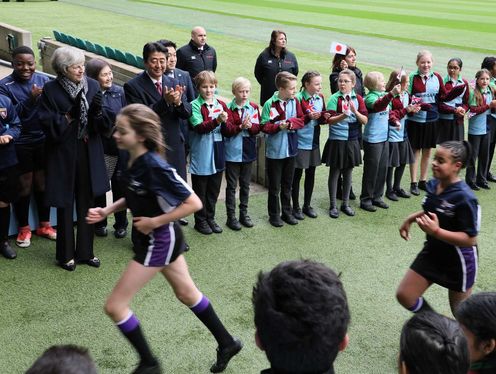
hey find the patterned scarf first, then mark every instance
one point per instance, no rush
(73, 89)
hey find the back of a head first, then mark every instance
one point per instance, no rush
(64, 359)
(301, 316)
(432, 343)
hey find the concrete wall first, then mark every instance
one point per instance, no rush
(12, 37)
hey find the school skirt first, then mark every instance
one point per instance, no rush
(159, 248)
(453, 268)
(400, 153)
(422, 135)
(9, 184)
(450, 129)
(342, 154)
(306, 158)
(492, 127)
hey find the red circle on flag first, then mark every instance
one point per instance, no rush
(338, 48)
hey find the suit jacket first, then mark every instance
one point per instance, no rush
(141, 90)
(185, 80)
(61, 144)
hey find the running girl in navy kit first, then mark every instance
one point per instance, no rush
(308, 158)
(451, 220)
(157, 197)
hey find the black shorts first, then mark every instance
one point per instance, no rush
(31, 157)
(453, 268)
(9, 184)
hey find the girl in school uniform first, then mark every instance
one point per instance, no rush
(400, 150)
(157, 197)
(450, 217)
(207, 153)
(482, 100)
(241, 151)
(426, 87)
(452, 113)
(308, 158)
(375, 141)
(489, 63)
(281, 117)
(342, 149)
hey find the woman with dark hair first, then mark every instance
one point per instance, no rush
(342, 62)
(274, 59)
(72, 118)
(113, 101)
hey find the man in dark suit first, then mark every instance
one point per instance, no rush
(166, 96)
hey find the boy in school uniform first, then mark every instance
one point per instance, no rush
(241, 151)
(281, 117)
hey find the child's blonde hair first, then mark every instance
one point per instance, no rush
(371, 80)
(283, 78)
(240, 82)
(205, 76)
(349, 73)
(423, 53)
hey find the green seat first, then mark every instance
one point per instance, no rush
(100, 50)
(140, 61)
(58, 36)
(90, 47)
(131, 59)
(110, 52)
(64, 38)
(120, 56)
(80, 43)
(72, 40)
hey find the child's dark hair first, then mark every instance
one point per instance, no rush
(432, 343)
(460, 150)
(21, 50)
(478, 314)
(457, 60)
(307, 77)
(67, 359)
(146, 123)
(488, 63)
(301, 316)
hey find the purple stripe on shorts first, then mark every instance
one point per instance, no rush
(128, 324)
(201, 305)
(160, 245)
(470, 256)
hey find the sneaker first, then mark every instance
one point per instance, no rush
(46, 231)
(24, 237)
(224, 355)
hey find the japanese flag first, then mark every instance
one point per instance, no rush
(273, 113)
(401, 73)
(215, 112)
(254, 118)
(339, 48)
(345, 108)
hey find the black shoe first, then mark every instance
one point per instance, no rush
(289, 219)
(422, 185)
(120, 233)
(352, 195)
(183, 221)
(391, 195)
(309, 211)
(368, 207)
(93, 262)
(414, 189)
(101, 231)
(473, 186)
(224, 355)
(484, 186)
(69, 265)
(402, 193)
(346, 209)
(245, 220)
(214, 226)
(147, 369)
(203, 228)
(186, 247)
(276, 221)
(333, 212)
(233, 224)
(7, 251)
(380, 204)
(298, 214)
(491, 177)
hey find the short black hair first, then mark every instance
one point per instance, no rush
(478, 314)
(432, 343)
(152, 47)
(167, 43)
(301, 316)
(22, 50)
(64, 359)
(460, 150)
(488, 63)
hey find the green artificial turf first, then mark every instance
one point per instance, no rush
(41, 304)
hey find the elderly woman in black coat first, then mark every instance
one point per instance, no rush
(72, 117)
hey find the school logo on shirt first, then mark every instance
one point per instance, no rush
(136, 187)
(446, 208)
(193, 57)
(3, 113)
(269, 61)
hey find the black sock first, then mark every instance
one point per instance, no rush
(130, 328)
(398, 174)
(43, 209)
(21, 207)
(4, 223)
(309, 182)
(389, 179)
(205, 313)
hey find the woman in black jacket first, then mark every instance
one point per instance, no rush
(347, 61)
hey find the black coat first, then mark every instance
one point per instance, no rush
(61, 144)
(141, 90)
(192, 60)
(267, 67)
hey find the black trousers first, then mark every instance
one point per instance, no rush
(81, 248)
(101, 201)
(237, 171)
(480, 153)
(375, 165)
(207, 187)
(280, 176)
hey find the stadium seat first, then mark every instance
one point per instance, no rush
(120, 56)
(100, 50)
(72, 40)
(131, 59)
(80, 43)
(141, 64)
(57, 35)
(64, 38)
(110, 52)
(90, 47)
